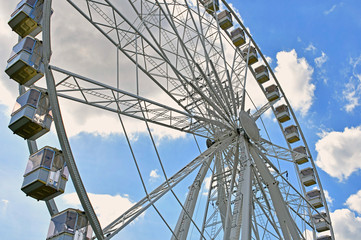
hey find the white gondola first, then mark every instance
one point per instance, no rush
(262, 74)
(320, 222)
(46, 174)
(282, 113)
(238, 38)
(300, 155)
(211, 5)
(292, 134)
(326, 237)
(308, 177)
(314, 197)
(253, 58)
(225, 20)
(272, 93)
(31, 116)
(27, 18)
(25, 63)
(70, 224)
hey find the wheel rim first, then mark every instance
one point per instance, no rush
(211, 113)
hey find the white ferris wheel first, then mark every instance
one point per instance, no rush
(202, 58)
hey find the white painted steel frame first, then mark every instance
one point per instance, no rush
(32, 146)
(63, 140)
(156, 112)
(223, 112)
(294, 118)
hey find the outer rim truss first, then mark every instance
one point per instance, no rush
(222, 112)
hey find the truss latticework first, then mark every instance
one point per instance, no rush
(255, 186)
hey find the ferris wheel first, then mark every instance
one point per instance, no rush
(203, 59)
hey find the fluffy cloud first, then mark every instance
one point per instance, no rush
(206, 185)
(346, 225)
(154, 175)
(7, 97)
(79, 48)
(8, 88)
(354, 202)
(268, 59)
(107, 207)
(329, 199)
(295, 77)
(339, 153)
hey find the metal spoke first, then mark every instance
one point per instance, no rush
(156, 194)
(199, 77)
(101, 96)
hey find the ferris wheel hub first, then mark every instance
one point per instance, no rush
(249, 126)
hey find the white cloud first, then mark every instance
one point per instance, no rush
(103, 123)
(308, 234)
(354, 202)
(321, 60)
(356, 67)
(330, 10)
(81, 49)
(107, 207)
(339, 153)
(346, 225)
(4, 206)
(351, 96)
(268, 59)
(295, 77)
(206, 185)
(8, 87)
(329, 199)
(236, 11)
(311, 48)
(323, 132)
(154, 175)
(352, 91)
(254, 92)
(7, 98)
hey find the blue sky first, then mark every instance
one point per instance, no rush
(314, 49)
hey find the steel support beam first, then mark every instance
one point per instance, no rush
(288, 226)
(157, 113)
(132, 213)
(222, 200)
(245, 219)
(63, 140)
(184, 221)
